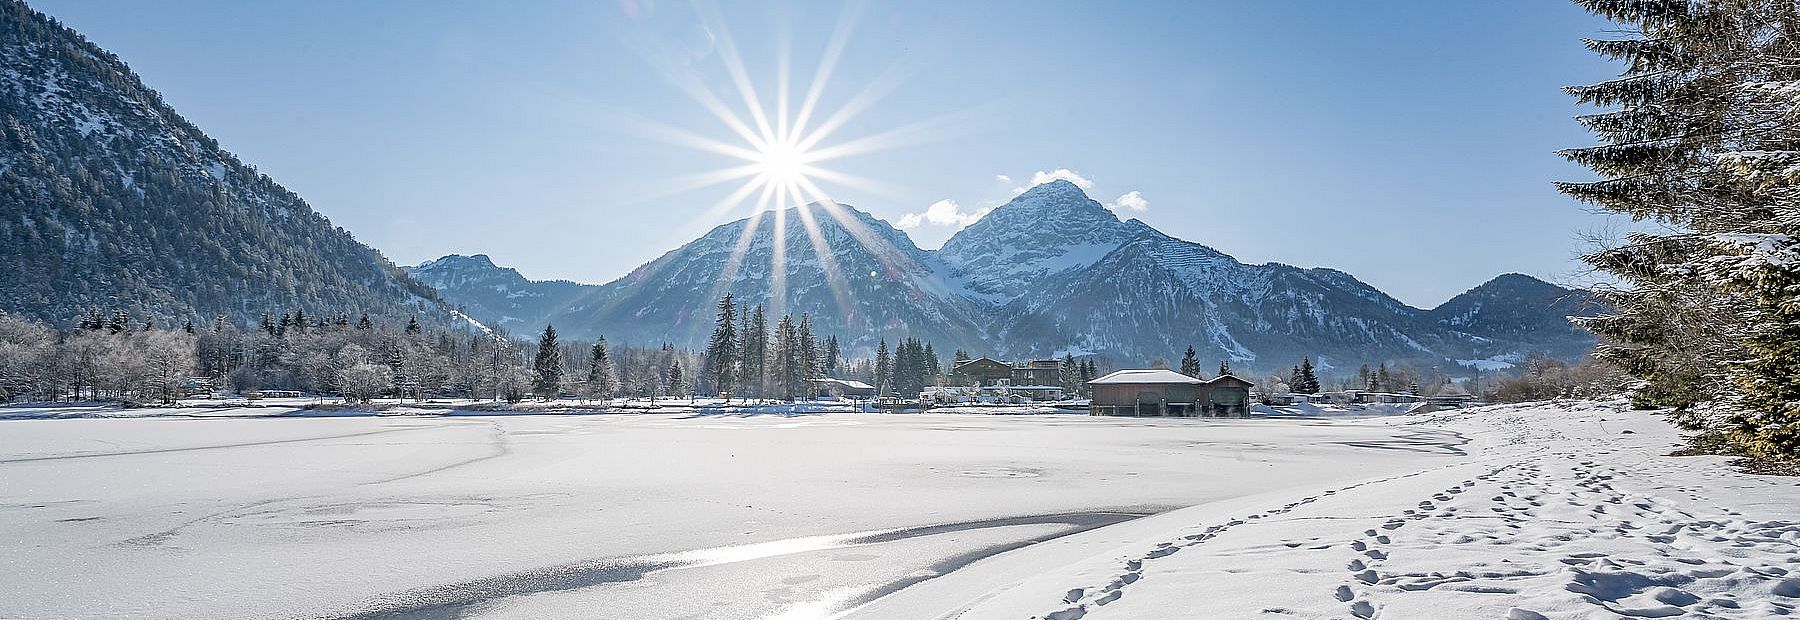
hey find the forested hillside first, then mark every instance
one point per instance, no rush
(112, 200)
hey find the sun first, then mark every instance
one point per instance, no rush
(783, 142)
(783, 163)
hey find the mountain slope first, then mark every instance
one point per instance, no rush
(113, 200)
(1518, 313)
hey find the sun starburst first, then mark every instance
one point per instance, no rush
(782, 152)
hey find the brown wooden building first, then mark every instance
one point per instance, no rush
(1168, 393)
(981, 372)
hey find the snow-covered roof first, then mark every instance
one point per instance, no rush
(855, 385)
(1146, 376)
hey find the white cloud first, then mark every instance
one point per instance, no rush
(1003, 179)
(942, 213)
(1040, 177)
(1131, 201)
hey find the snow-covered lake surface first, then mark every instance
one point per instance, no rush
(1519, 512)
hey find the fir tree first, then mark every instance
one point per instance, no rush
(412, 325)
(676, 382)
(1224, 367)
(1190, 365)
(600, 381)
(809, 352)
(547, 367)
(723, 348)
(1306, 381)
(363, 323)
(755, 356)
(884, 369)
(1698, 142)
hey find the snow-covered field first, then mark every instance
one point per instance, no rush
(1520, 512)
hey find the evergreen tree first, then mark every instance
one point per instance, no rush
(755, 356)
(832, 356)
(547, 367)
(363, 323)
(1224, 367)
(600, 381)
(412, 325)
(676, 382)
(723, 348)
(1190, 365)
(933, 367)
(1699, 141)
(785, 359)
(809, 352)
(1306, 381)
(1069, 374)
(884, 370)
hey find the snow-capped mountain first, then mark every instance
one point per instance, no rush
(113, 201)
(888, 287)
(1050, 272)
(1047, 231)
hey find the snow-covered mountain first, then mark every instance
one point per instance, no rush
(111, 200)
(1047, 231)
(888, 287)
(499, 295)
(1048, 273)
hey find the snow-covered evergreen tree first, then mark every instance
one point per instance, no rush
(1699, 139)
(547, 367)
(600, 380)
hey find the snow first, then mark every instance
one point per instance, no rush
(1551, 510)
(1555, 512)
(1493, 363)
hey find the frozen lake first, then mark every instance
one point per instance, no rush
(610, 516)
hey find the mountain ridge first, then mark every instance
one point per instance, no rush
(1053, 272)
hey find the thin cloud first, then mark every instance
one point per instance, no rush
(942, 213)
(1040, 177)
(1131, 201)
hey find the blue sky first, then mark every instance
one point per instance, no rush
(1408, 143)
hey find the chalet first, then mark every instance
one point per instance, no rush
(987, 372)
(981, 371)
(840, 388)
(1168, 393)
